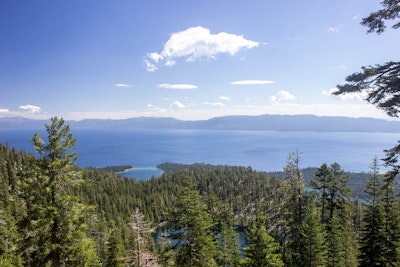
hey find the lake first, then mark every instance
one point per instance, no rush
(261, 150)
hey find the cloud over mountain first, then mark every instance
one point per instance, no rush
(30, 108)
(282, 95)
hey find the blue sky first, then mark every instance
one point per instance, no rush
(185, 59)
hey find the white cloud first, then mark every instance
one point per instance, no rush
(4, 110)
(196, 43)
(218, 104)
(30, 108)
(155, 57)
(225, 98)
(282, 95)
(347, 96)
(150, 67)
(252, 82)
(154, 110)
(177, 105)
(334, 29)
(181, 86)
(122, 85)
(215, 104)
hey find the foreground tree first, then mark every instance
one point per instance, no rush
(227, 239)
(193, 224)
(381, 84)
(263, 250)
(54, 228)
(313, 234)
(373, 239)
(294, 210)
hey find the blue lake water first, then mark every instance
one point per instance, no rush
(261, 150)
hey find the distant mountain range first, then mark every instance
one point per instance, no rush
(262, 122)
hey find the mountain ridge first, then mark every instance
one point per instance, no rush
(266, 122)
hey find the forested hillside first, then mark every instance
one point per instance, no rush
(54, 214)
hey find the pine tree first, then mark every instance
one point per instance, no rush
(335, 257)
(114, 247)
(294, 211)
(9, 239)
(227, 239)
(54, 228)
(313, 234)
(228, 246)
(192, 224)
(262, 250)
(391, 208)
(338, 190)
(349, 237)
(373, 234)
(321, 185)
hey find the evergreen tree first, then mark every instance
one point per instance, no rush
(295, 202)
(228, 246)
(323, 177)
(373, 234)
(313, 234)
(193, 224)
(227, 239)
(262, 250)
(114, 247)
(54, 228)
(331, 186)
(335, 256)
(349, 237)
(9, 239)
(338, 190)
(391, 208)
(381, 83)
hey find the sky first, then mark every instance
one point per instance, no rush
(188, 60)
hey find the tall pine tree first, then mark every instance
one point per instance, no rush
(295, 203)
(193, 230)
(313, 234)
(373, 233)
(54, 226)
(262, 250)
